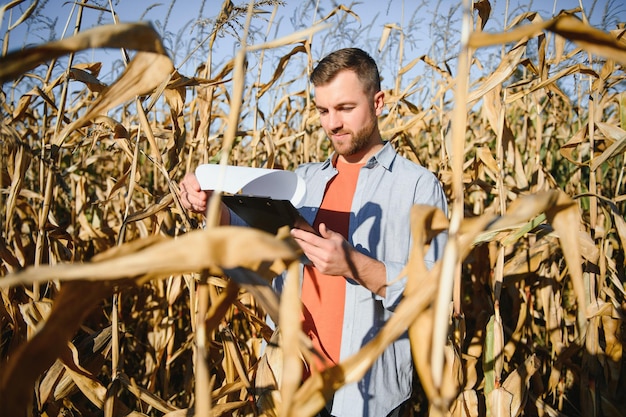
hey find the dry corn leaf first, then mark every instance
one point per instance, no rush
(568, 149)
(213, 248)
(151, 210)
(145, 72)
(92, 352)
(472, 355)
(619, 222)
(428, 61)
(280, 68)
(89, 386)
(528, 261)
(523, 215)
(93, 83)
(144, 257)
(27, 13)
(234, 357)
(31, 359)
(21, 163)
(385, 35)
(138, 36)
(158, 337)
(517, 234)
(526, 207)
(539, 123)
(552, 316)
(484, 154)
(258, 286)
(498, 403)
(517, 383)
(607, 71)
(290, 330)
(551, 84)
(318, 389)
(216, 411)
(146, 396)
(289, 39)
(341, 8)
(617, 148)
(466, 405)
(566, 25)
(613, 353)
(269, 377)
(508, 65)
(484, 11)
(564, 217)
(35, 313)
(23, 105)
(622, 110)
(420, 334)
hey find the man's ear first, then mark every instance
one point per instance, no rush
(379, 102)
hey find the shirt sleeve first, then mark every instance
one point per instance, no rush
(395, 285)
(431, 193)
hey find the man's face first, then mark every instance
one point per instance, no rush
(348, 114)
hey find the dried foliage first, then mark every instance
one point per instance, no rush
(112, 304)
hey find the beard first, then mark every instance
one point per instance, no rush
(357, 141)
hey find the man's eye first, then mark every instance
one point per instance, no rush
(322, 111)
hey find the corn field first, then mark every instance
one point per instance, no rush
(115, 301)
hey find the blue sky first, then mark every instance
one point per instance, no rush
(430, 27)
(178, 20)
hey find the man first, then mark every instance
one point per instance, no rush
(359, 200)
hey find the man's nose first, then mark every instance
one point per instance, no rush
(334, 120)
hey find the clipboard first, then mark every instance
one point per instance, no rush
(267, 214)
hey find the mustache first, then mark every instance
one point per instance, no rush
(340, 132)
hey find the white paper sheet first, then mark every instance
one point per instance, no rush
(274, 183)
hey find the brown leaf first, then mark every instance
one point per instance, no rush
(484, 11)
(506, 68)
(565, 219)
(517, 383)
(466, 405)
(566, 25)
(83, 76)
(146, 71)
(280, 68)
(138, 36)
(214, 248)
(18, 375)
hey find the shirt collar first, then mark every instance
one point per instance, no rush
(383, 157)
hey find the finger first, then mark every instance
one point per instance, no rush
(297, 234)
(196, 202)
(190, 182)
(184, 199)
(325, 232)
(303, 236)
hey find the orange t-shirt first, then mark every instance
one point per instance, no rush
(323, 296)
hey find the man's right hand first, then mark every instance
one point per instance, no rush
(192, 197)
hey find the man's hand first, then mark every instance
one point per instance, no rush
(331, 254)
(191, 196)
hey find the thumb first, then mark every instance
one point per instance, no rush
(325, 232)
